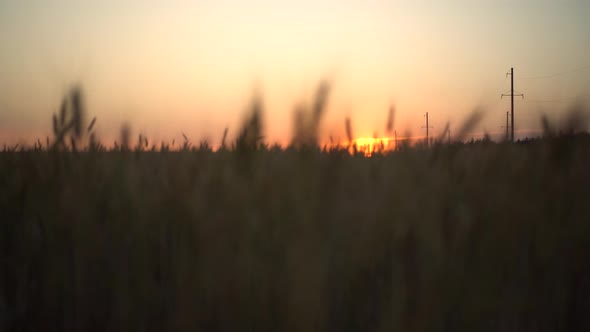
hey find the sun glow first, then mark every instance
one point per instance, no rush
(371, 145)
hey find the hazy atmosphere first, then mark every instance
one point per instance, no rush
(192, 66)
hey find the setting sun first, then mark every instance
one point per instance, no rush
(370, 145)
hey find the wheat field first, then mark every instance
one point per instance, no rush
(451, 237)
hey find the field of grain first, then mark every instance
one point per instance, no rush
(451, 237)
(474, 237)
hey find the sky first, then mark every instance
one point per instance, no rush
(172, 67)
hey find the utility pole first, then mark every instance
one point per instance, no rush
(507, 126)
(395, 138)
(511, 73)
(449, 132)
(427, 127)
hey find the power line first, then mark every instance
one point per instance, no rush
(561, 100)
(571, 71)
(545, 101)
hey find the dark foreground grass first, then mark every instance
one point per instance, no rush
(484, 237)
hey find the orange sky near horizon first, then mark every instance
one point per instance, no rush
(192, 67)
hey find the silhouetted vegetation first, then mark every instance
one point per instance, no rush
(455, 237)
